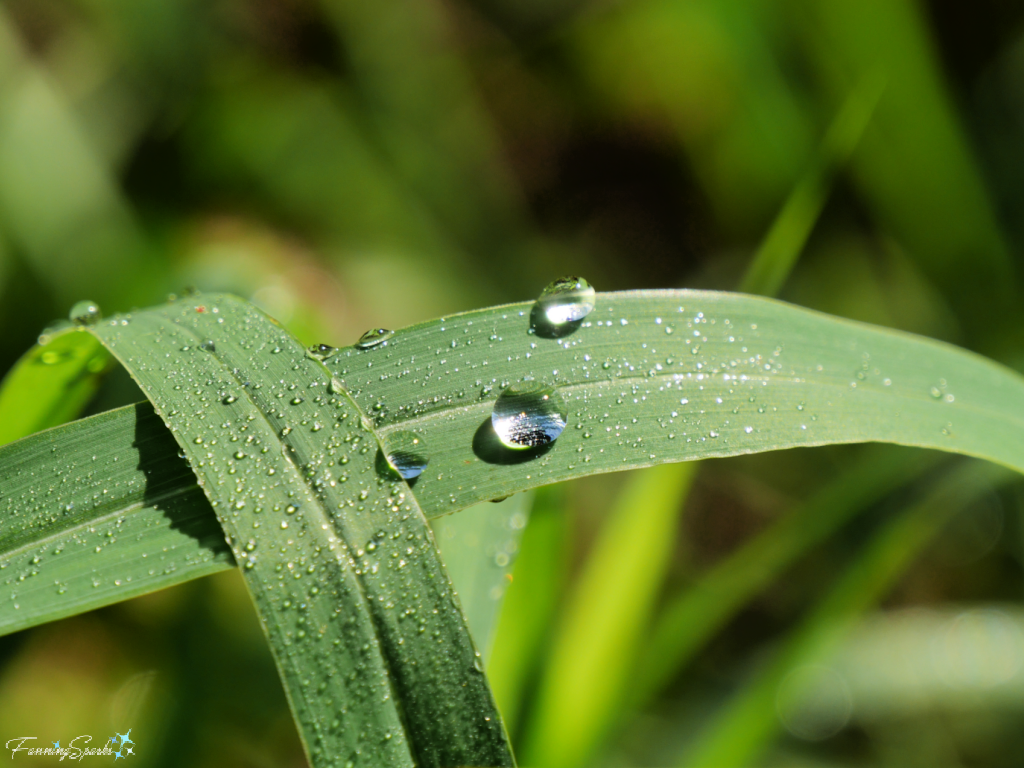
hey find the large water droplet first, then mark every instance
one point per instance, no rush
(373, 337)
(85, 313)
(320, 351)
(528, 415)
(567, 300)
(405, 453)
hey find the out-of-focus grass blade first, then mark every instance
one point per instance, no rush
(336, 552)
(121, 515)
(972, 662)
(915, 167)
(749, 722)
(530, 604)
(442, 146)
(59, 203)
(479, 546)
(693, 617)
(591, 658)
(785, 240)
(50, 385)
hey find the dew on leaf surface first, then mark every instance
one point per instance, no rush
(567, 300)
(528, 415)
(405, 453)
(373, 338)
(320, 351)
(85, 312)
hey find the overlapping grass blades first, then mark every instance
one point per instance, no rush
(286, 449)
(360, 615)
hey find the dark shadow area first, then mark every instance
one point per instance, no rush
(187, 509)
(544, 328)
(489, 448)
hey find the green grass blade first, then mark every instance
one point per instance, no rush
(479, 546)
(367, 634)
(687, 623)
(703, 373)
(793, 377)
(530, 604)
(582, 689)
(916, 168)
(50, 385)
(785, 240)
(121, 515)
(749, 722)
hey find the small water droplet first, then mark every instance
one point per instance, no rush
(405, 453)
(528, 415)
(208, 345)
(567, 300)
(85, 313)
(373, 338)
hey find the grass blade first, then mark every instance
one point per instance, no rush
(479, 546)
(749, 722)
(694, 617)
(791, 376)
(337, 557)
(530, 604)
(50, 385)
(785, 240)
(133, 522)
(582, 689)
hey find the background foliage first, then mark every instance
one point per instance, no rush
(348, 165)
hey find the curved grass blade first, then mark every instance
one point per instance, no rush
(369, 639)
(657, 376)
(791, 376)
(96, 512)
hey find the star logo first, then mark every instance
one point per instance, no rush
(118, 742)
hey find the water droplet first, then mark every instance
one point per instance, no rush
(528, 415)
(320, 351)
(373, 337)
(567, 300)
(85, 313)
(208, 345)
(405, 453)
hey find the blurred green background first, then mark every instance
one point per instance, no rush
(349, 164)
